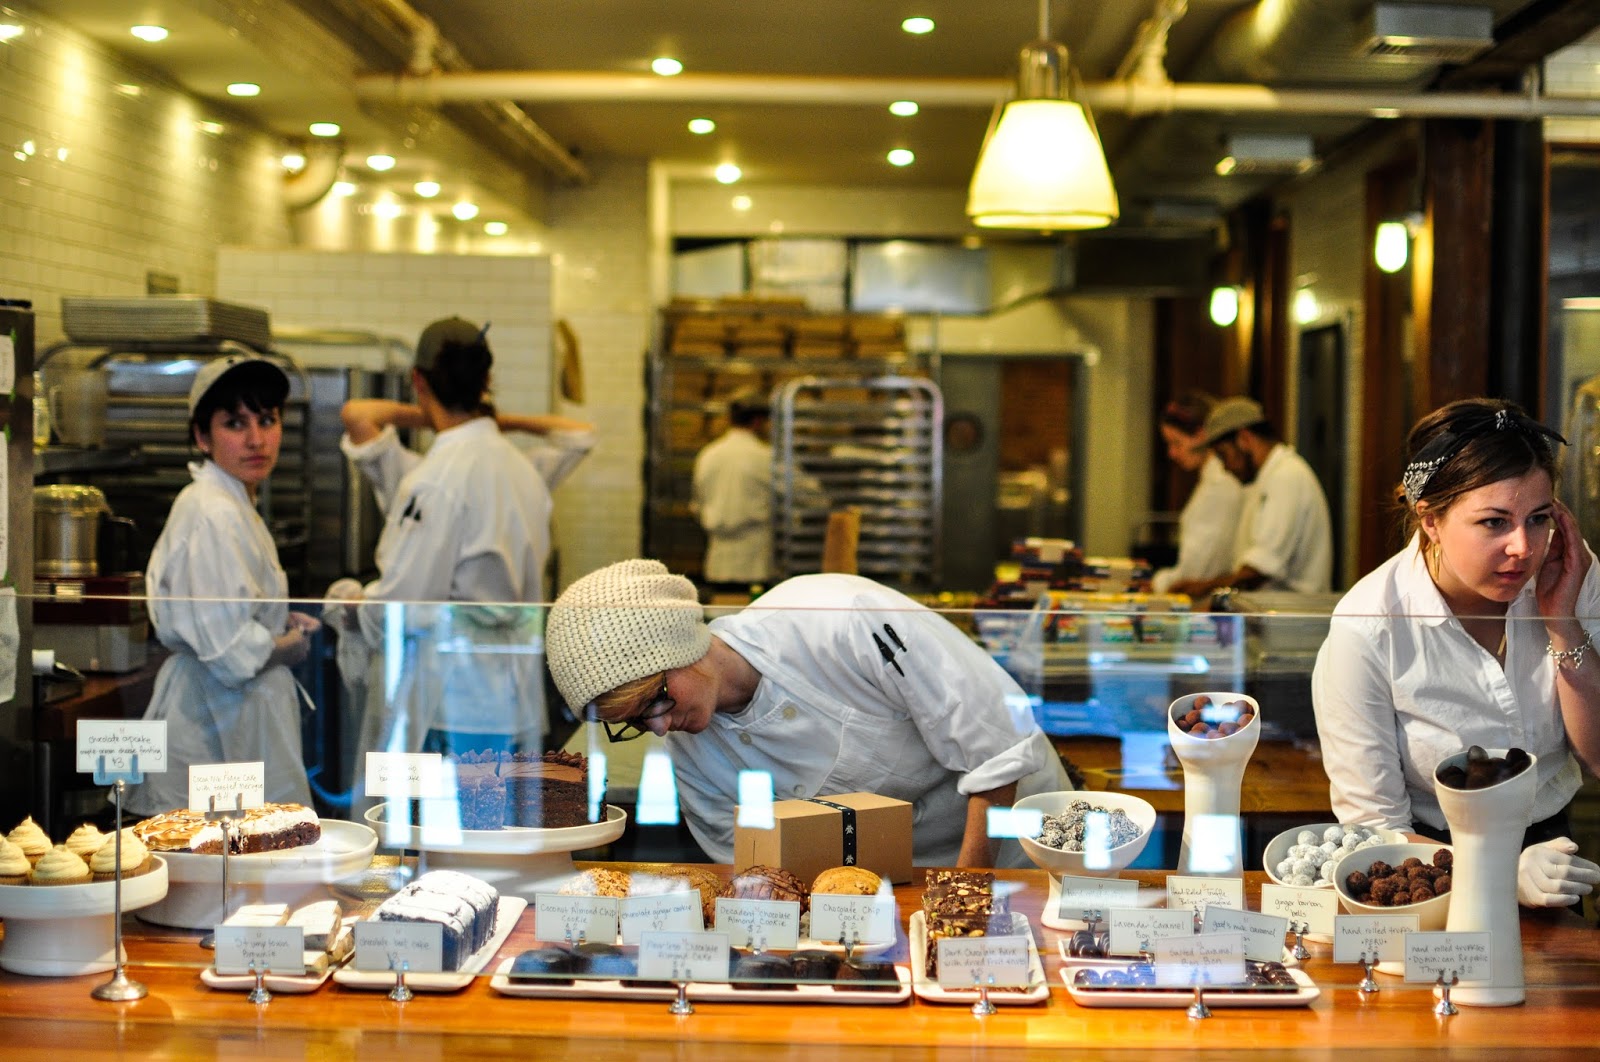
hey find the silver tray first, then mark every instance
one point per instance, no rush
(163, 318)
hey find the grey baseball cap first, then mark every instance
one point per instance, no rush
(212, 372)
(448, 332)
(1230, 415)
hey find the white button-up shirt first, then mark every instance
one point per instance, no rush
(1400, 685)
(1284, 529)
(1205, 528)
(733, 500)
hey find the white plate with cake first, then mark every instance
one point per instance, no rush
(475, 920)
(509, 840)
(66, 930)
(271, 844)
(931, 991)
(325, 948)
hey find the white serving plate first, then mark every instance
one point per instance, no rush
(287, 984)
(699, 991)
(1182, 997)
(931, 991)
(506, 915)
(66, 930)
(343, 849)
(513, 840)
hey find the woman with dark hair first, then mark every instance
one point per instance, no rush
(1210, 517)
(1476, 633)
(467, 522)
(218, 599)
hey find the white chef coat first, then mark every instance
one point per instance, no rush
(467, 522)
(1284, 529)
(733, 500)
(1400, 685)
(832, 716)
(1205, 528)
(218, 598)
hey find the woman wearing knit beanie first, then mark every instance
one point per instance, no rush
(829, 683)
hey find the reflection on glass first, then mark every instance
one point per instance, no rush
(755, 800)
(1144, 761)
(658, 791)
(1015, 822)
(1215, 845)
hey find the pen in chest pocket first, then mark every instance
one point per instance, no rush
(887, 654)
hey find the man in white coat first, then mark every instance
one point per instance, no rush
(733, 499)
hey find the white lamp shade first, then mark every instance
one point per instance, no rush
(1392, 246)
(1042, 167)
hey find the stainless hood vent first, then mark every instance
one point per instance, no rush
(1427, 33)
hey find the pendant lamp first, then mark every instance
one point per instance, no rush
(1042, 166)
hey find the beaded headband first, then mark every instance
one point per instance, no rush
(1469, 426)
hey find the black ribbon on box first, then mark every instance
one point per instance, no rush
(847, 826)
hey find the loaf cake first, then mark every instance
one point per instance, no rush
(267, 828)
(465, 907)
(519, 789)
(960, 903)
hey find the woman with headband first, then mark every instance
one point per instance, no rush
(1210, 517)
(1423, 658)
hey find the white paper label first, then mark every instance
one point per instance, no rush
(1199, 959)
(1380, 936)
(1315, 909)
(119, 740)
(1132, 929)
(760, 924)
(1263, 933)
(673, 912)
(1462, 956)
(274, 949)
(8, 363)
(1080, 896)
(853, 919)
(383, 947)
(1195, 892)
(966, 962)
(671, 956)
(234, 785)
(576, 918)
(405, 775)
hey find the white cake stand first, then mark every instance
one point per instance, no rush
(293, 876)
(516, 861)
(67, 930)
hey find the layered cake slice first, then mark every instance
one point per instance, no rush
(529, 790)
(465, 907)
(960, 903)
(267, 828)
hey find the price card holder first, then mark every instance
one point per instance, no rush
(1371, 938)
(118, 748)
(1315, 909)
(854, 919)
(415, 947)
(575, 918)
(760, 924)
(227, 785)
(1196, 892)
(1134, 930)
(683, 957)
(673, 912)
(1081, 895)
(1263, 934)
(1448, 957)
(989, 961)
(1199, 960)
(246, 949)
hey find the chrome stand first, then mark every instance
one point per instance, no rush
(1368, 985)
(983, 1007)
(119, 989)
(1444, 1008)
(1198, 1009)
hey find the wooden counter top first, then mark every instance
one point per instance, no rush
(50, 1019)
(104, 696)
(1282, 777)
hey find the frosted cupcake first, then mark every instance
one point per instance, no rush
(33, 841)
(14, 865)
(135, 857)
(85, 841)
(60, 867)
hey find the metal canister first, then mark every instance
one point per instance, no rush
(66, 529)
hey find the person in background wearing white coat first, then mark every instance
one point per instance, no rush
(218, 599)
(827, 683)
(733, 499)
(469, 522)
(1211, 515)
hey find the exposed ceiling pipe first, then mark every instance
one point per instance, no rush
(311, 182)
(1148, 56)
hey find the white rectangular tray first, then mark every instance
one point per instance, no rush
(1182, 997)
(699, 991)
(287, 984)
(506, 915)
(931, 991)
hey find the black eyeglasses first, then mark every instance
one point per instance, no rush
(630, 728)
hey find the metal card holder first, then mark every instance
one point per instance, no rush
(120, 989)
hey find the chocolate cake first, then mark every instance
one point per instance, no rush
(267, 828)
(529, 790)
(465, 907)
(960, 903)
(548, 964)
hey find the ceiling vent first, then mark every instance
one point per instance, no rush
(1431, 33)
(1270, 153)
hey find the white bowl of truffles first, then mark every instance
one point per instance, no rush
(1095, 834)
(1305, 856)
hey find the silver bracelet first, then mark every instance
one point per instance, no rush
(1573, 656)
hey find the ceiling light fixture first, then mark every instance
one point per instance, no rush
(495, 228)
(388, 209)
(728, 173)
(9, 31)
(901, 157)
(666, 67)
(324, 128)
(741, 203)
(1391, 246)
(917, 26)
(702, 126)
(1042, 165)
(381, 163)
(426, 189)
(344, 188)
(1224, 305)
(903, 108)
(149, 34)
(465, 211)
(244, 88)
(1307, 309)
(293, 161)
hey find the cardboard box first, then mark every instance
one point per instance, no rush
(807, 837)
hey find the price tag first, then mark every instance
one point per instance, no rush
(558, 917)
(1079, 895)
(1195, 892)
(1133, 929)
(1199, 959)
(228, 782)
(965, 962)
(1316, 908)
(1465, 956)
(1380, 935)
(672, 912)
(761, 924)
(118, 741)
(386, 946)
(1263, 933)
(406, 775)
(857, 919)
(671, 956)
(277, 949)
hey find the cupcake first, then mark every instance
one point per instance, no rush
(60, 867)
(14, 866)
(135, 857)
(85, 841)
(33, 841)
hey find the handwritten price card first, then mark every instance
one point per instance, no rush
(966, 962)
(1080, 895)
(235, 785)
(1133, 929)
(418, 947)
(856, 919)
(1380, 935)
(406, 775)
(760, 923)
(558, 917)
(1315, 908)
(1263, 934)
(119, 741)
(279, 949)
(669, 956)
(1199, 959)
(1195, 892)
(1430, 956)
(673, 912)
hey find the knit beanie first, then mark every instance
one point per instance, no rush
(621, 623)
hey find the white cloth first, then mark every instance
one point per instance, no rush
(467, 522)
(1205, 528)
(1284, 529)
(217, 599)
(555, 454)
(1399, 685)
(733, 500)
(832, 716)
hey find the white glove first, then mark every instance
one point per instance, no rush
(1553, 875)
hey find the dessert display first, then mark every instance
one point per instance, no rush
(1206, 719)
(1483, 770)
(135, 857)
(523, 790)
(84, 841)
(598, 881)
(552, 965)
(1413, 881)
(847, 881)
(1314, 855)
(465, 907)
(14, 865)
(761, 969)
(59, 866)
(267, 828)
(768, 883)
(1259, 977)
(28, 836)
(960, 903)
(258, 915)
(1067, 830)
(320, 922)
(1089, 944)
(605, 881)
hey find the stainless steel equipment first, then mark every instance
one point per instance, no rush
(93, 623)
(66, 529)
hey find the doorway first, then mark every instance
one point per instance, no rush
(1319, 424)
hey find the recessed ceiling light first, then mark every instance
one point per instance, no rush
(918, 25)
(901, 157)
(741, 203)
(728, 173)
(9, 31)
(324, 128)
(293, 161)
(381, 163)
(426, 189)
(388, 209)
(495, 228)
(665, 66)
(149, 34)
(702, 126)
(903, 108)
(344, 188)
(244, 88)
(465, 211)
